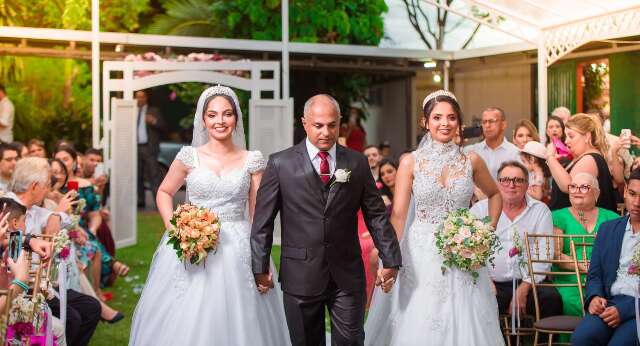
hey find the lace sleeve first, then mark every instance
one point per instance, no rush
(185, 155)
(255, 162)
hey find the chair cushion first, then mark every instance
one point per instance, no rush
(562, 323)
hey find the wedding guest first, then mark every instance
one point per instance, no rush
(524, 132)
(555, 129)
(581, 218)
(30, 184)
(385, 149)
(533, 156)
(609, 294)
(562, 113)
(494, 149)
(388, 170)
(373, 157)
(353, 130)
(7, 114)
(150, 127)
(521, 214)
(23, 151)
(587, 145)
(8, 158)
(37, 148)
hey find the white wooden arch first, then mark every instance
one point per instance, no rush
(270, 118)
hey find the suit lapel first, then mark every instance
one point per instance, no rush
(310, 174)
(341, 163)
(617, 246)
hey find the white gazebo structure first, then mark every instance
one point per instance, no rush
(552, 28)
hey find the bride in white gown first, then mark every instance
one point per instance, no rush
(216, 302)
(427, 307)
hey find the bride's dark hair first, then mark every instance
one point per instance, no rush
(226, 97)
(429, 106)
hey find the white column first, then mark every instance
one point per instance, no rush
(95, 73)
(542, 90)
(445, 74)
(285, 49)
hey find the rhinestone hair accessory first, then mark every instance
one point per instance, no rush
(436, 94)
(200, 133)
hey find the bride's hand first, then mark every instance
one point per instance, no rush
(264, 282)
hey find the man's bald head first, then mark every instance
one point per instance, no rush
(321, 121)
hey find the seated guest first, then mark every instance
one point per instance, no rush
(30, 184)
(8, 157)
(581, 218)
(523, 214)
(373, 157)
(610, 290)
(37, 148)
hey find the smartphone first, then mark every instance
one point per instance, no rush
(15, 245)
(99, 170)
(72, 185)
(625, 133)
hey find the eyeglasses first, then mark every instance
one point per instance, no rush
(573, 188)
(506, 181)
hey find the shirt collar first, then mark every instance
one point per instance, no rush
(313, 151)
(501, 146)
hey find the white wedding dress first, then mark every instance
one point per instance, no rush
(427, 307)
(216, 302)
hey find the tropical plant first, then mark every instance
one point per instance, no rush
(187, 18)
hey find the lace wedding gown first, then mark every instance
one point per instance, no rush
(427, 307)
(213, 303)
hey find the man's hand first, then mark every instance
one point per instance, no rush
(386, 278)
(264, 282)
(610, 316)
(41, 247)
(150, 119)
(522, 292)
(597, 305)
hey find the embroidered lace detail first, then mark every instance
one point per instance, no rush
(255, 162)
(442, 180)
(186, 156)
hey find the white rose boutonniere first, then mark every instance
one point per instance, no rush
(341, 176)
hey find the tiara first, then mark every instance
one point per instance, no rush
(222, 90)
(436, 94)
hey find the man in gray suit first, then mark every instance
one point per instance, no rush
(150, 127)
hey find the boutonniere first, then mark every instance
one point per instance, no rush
(341, 176)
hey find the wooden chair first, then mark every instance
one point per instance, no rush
(519, 331)
(537, 253)
(39, 275)
(6, 296)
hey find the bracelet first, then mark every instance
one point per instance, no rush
(21, 284)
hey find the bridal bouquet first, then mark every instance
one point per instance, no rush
(195, 232)
(466, 242)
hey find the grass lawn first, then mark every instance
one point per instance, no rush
(127, 291)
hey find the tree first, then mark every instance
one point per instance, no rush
(186, 18)
(432, 31)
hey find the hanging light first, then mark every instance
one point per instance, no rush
(430, 64)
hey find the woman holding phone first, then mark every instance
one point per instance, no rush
(94, 254)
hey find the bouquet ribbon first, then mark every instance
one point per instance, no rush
(62, 289)
(515, 308)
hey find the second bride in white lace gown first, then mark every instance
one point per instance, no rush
(216, 302)
(427, 306)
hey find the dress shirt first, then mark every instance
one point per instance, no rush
(315, 159)
(534, 219)
(7, 114)
(143, 137)
(493, 158)
(626, 284)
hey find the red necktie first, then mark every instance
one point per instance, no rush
(325, 173)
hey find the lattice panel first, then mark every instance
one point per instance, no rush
(560, 41)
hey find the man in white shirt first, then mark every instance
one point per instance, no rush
(521, 214)
(373, 157)
(495, 149)
(613, 278)
(6, 116)
(150, 125)
(8, 159)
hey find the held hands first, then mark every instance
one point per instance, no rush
(264, 282)
(386, 278)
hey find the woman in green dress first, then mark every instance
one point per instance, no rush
(581, 218)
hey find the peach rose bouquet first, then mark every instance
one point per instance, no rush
(194, 233)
